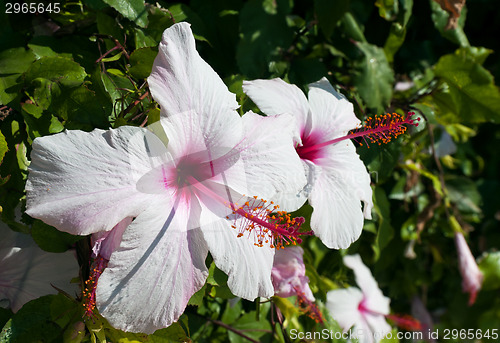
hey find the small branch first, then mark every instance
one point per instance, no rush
(230, 328)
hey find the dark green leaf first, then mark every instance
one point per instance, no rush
(329, 13)
(385, 232)
(15, 61)
(50, 239)
(134, 10)
(264, 31)
(141, 62)
(374, 77)
(79, 108)
(40, 320)
(56, 69)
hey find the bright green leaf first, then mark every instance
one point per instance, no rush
(490, 267)
(3, 147)
(387, 9)
(440, 19)
(134, 10)
(471, 95)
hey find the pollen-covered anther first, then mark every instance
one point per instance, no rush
(263, 221)
(382, 129)
(89, 296)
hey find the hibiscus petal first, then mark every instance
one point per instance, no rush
(83, 182)
(343, 306)
(276, 97)
(182, 81)
(332, 115)
(271, 162)
(247, 266)
(378, 325)
(27, 272)
(153, 274)
(374, 298)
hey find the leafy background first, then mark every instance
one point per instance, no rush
(85, 68)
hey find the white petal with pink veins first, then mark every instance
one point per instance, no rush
(182, 81)
(159, 265)
(86, 182)
(275, 97)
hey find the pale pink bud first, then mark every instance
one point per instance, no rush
(471, 275)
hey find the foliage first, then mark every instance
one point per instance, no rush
(85, 67)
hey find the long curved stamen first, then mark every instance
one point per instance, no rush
(379, 129)
(309, 307)
(260, 219)
(405, 322)
(89, 296)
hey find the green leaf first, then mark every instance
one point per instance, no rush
(79, 108)
(52, 240)
(38, 122)
(470, 95)
(385, 232)
(440, 19)
(134, 10)
(387, 9)
(56, 69)
(197, 298)
(264, 31)
(40, 320)
(329, 13)
(15, 61)
(463, 192)
(141, 62)
(251, 326)
(490, 267)
(3, 147)
(374, 77)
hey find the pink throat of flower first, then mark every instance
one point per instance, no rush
(403, 321)
(376, 130)
(259, 219)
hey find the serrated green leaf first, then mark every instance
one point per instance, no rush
(134, 10)
(141, 62)
(197, 298)
(56, 69)
(374, 77)
(52, 240)
(490, 267)
(471, 95)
